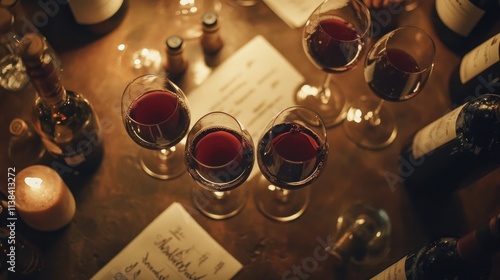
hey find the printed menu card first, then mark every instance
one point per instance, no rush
(173, 246)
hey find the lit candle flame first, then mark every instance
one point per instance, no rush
(33, 182)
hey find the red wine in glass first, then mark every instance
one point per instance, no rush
(220, 159)
(291, 156)
(334, 45)
(393, 75)
(157, 119)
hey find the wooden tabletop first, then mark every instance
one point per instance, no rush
(119, 200)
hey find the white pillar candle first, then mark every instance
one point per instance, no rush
(43, 200)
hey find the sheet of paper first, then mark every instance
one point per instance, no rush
(173, 246)
(293, 12)
(253, 85)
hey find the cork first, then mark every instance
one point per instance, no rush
(32, 47)
(174, 43)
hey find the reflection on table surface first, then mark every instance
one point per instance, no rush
(119, 200)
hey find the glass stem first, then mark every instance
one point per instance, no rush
(220, 195)
(282, 194)
(325, 93)
(165, 153)
(375, 117)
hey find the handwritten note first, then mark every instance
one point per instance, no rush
(173, 246)
(293, 12)
(253, 85)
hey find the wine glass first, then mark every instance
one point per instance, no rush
(188, 13)
(362, 235)
(333, 39)
(156, 115)
(291, 154)
(139, 57)
(219, 156)
(397, 67)
(139, 52)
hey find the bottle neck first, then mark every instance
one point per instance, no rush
(481, 243)
(46, 80)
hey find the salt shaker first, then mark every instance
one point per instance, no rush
(176, 62)
(211, 40)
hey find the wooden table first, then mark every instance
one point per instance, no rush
(116, 202)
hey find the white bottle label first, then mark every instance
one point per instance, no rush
(93, 11)
(394, 272)
(437, 133)
(461, 16)
(480, 58)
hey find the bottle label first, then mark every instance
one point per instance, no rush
(94, 11)
(461, 16)
(437, 133)
(394, 272)
(479, 59)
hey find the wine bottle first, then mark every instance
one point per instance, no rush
(99, 17)
(65, 120)
(463, 24)
(465, 258)
(454, 150)
(478, 73)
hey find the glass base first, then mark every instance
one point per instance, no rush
(279, 204)
(330, 105)
(163, 164)
(140, 60)
(366, 130)
(219, 205)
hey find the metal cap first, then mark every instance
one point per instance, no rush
(209, 19)
(174, 42)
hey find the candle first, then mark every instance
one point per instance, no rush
(43, 200)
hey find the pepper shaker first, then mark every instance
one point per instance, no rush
(211, 40)
(176, 63)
